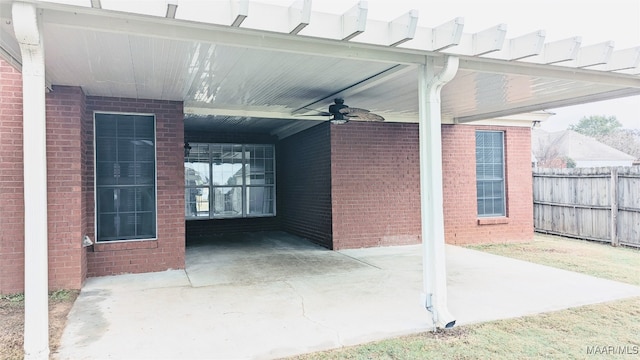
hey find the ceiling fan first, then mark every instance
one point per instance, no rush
(341, 113)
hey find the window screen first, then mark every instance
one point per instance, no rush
(490, 173)
(125, 177)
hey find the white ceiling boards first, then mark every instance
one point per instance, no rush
(254, 60)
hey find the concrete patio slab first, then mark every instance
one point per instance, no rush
(276, 295)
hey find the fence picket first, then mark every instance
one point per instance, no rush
(601, 204)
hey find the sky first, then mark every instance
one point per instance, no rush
(595, 21)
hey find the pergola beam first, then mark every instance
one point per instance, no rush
(597, 54)
(447, 34)
(522, 47)
(354, 21)
(558, 51)
(403, 28)
(299, 15)
(239, 11)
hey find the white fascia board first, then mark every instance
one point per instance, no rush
(549, 71)
(575, 100)
(197, 109)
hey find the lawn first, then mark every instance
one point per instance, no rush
(609, 330)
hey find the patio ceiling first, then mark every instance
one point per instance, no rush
(233, 72)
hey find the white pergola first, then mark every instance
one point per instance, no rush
(242, 64)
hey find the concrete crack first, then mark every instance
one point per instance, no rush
(304, 314)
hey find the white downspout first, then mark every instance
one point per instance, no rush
(431, 198)
(36, 313)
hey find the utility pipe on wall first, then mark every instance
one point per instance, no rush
(431, 193)
(36, 325)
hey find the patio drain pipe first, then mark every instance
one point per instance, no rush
(36, 318)
(431, 192)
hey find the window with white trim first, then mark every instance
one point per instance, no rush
(490, 173)
(229, 181)
(125, 176)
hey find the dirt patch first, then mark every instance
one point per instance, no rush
(12, 320)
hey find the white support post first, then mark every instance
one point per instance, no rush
(36, 318)
(431, 194)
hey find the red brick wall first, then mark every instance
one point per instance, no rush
(65, 105)
(11, 181)
(375, 179)
(67, 262)
(167, 252)
(460, 206)
(304, 184)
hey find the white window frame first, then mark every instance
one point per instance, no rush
(244, 186)
(504, 175)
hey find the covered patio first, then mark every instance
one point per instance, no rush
(273, 295)
(270, 69)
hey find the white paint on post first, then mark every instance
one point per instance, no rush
(431, 193)
(36, 327)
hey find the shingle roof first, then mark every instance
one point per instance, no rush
(577, 146)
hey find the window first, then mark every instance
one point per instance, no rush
(229, 181)
(125, 177)
(490, 173)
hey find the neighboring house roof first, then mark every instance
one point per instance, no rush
(576, 146)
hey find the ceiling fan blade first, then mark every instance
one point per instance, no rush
(366, 116)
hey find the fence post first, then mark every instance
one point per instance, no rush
(614, 207)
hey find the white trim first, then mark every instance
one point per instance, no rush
(28, 30)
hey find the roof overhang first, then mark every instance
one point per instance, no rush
(290, 62)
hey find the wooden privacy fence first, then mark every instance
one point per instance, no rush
(601, 204)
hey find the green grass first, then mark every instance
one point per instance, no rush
(587, 257)
(566, 334)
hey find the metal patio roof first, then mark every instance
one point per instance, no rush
(238, 61)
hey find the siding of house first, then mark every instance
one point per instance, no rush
(167, 252)
(11, 181)
(462, 225)
(202, 229)
(375, 177)
(304, 184)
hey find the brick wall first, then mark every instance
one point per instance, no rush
(460, 206)
(200, 230)
(304, 184)
(375, 178)
(67, 261)
(11, 181)
(167, 252)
